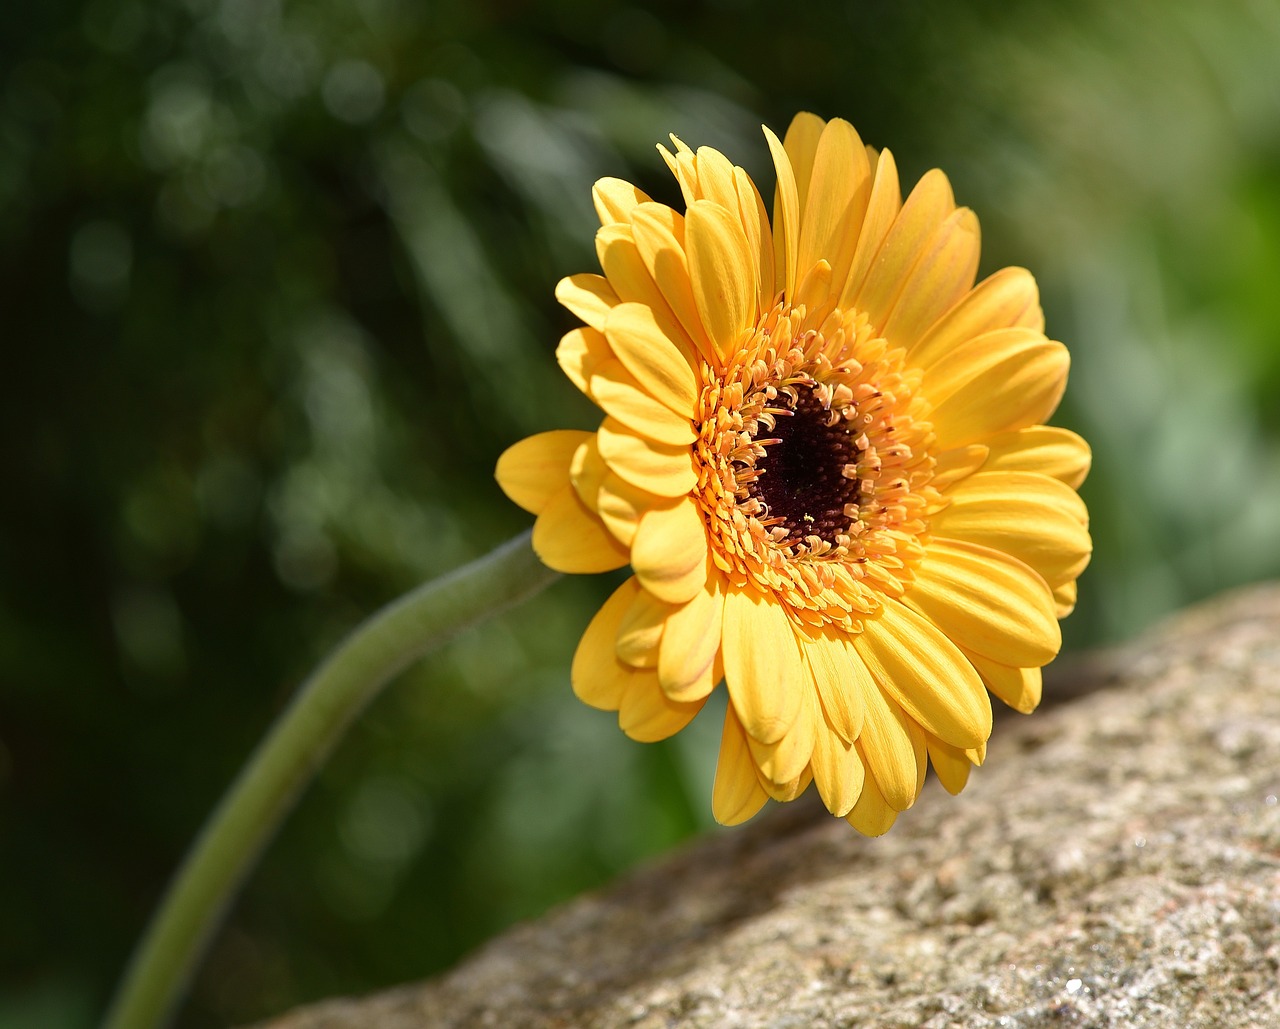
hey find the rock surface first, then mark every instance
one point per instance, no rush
(1115, 863)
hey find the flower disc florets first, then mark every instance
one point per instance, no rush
(813, 466)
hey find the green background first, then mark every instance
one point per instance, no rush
(277, 290)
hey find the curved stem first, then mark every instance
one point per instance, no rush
(294, 749)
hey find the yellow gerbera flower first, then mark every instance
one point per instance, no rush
(823, 457)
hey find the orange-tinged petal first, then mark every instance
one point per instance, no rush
(762, 664)
(690, 643)
(722, 275)
(1020, 688)
(1008, 299)
(534, 470)
(580, 353)
(657, 364)
(839, 678)
(598, 677)
(886, 747)
(882, 208)
(988, 602)
(871, 816)
(995, 383)
(615, 199)
(1047, 449)
(622, 397)
(669, 553)
(784, 761)
(942, 275)
(922, 671)
(1040, 521)
(656, 467)
(786, 217)
(737, 793)
(950, 763)
(648, 715)
(837, 770)
(590, 297)
(569, 538)
(923, 212)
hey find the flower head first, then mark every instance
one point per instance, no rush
(823, 456)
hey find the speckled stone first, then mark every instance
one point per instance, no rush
(1116, 863)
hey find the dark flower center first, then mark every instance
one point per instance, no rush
(802, 476)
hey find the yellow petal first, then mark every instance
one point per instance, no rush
(587, 472)
(690, 643)
(950, 763)
(755, 224)
(943, 274)
(656, 362)
(871, 816)
(737, 793)
(620, 396)
(629, 276)
(1064, 595)
(660, 238)
(783, 761)
(590, 297)
(786, 217)
(722, 274)
(669, 553)
(1020, 688)
(924, 211)
(569, 538)
(534, 470)
(1005, 380)
(580, 353)
(1040, 521)
(621, 505)
(836, 200)
(1008, 299)
(715, 179)
(987, 602)
(762, 664)
(648, 715)
(839, 679)
(655, 467)
(598, 677)
(641, 628)
(801, 142)
(1046, 449)
(958, 463)
(882, 208)
(615, 199)
(886, 747)
(922, 671)
(837, 770)
(784, 792)
(684, 167)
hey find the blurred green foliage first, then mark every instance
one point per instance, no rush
(277, 287)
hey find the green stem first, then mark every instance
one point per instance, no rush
(294, 749)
